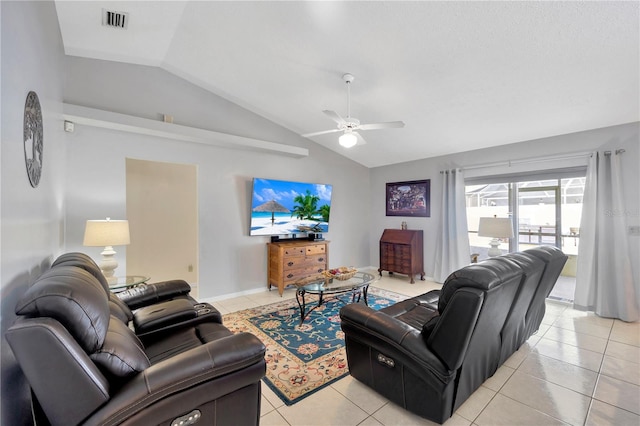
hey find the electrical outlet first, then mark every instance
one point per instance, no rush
(634, 230)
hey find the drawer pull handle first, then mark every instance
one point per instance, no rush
(290, 264)
(320, 270)
(321, 259)
(290, 276)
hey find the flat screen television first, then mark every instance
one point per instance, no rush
(280, 207)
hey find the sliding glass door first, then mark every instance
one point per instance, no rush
(545, 211)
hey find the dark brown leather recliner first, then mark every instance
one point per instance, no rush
(85, 366)
(429, 353)
(148, 308)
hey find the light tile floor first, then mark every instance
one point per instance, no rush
(579, 369)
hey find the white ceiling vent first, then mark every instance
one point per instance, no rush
(114, 19)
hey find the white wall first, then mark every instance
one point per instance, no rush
(32, 231)
(626, 136)
(230, 260)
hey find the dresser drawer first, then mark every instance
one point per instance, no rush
(294, 275)
(315, 249)
(294, 262)
(293, 251)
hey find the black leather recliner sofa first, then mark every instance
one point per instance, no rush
(148, 308)
(86, 366)
(429, 353)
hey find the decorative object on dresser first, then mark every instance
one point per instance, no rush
(412, 198)
(293, 260)
(401, 251)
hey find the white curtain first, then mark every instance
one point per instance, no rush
(604, 280)
(452, 243)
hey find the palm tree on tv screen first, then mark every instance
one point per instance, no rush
(306, 206)
(324, 212)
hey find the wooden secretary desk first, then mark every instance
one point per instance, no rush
(401, 251)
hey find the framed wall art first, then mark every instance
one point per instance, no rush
(411, 198)
(33, 138)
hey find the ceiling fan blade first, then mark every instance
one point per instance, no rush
(334, 116)
(308, 135)
(386, 125)
(361, 140)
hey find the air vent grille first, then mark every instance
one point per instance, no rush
(114, 19)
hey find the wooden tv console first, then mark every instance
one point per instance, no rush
(294, 260)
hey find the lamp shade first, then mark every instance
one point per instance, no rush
(495, 227)
(348, 140)
(106, 233)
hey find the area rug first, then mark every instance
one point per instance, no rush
(302, 359)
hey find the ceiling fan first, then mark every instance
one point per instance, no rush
(350, 125)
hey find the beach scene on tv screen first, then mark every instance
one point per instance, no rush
(282, 207)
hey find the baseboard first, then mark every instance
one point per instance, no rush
(232, 295)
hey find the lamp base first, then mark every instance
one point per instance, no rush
(108, 264)
(494, 250)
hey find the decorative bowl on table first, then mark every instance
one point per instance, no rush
(342, 273)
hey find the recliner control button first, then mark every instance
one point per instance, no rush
(386, 361)
(188, 419)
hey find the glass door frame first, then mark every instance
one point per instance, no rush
(514, 195)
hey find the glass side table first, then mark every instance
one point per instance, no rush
(123, 283)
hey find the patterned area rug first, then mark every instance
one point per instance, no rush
(302, 359)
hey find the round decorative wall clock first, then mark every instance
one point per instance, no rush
(33, 142)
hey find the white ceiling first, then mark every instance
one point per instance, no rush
(461, 75)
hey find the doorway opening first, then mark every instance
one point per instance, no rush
(162, 209)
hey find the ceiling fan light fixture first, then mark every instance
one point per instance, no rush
(348, 140)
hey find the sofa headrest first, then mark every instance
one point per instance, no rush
(484, 276)
(546, 253)
(122, 353)
(85, 262)
(73, 297)
(82, 261)
(527, 261)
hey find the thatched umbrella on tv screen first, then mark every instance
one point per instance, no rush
(272, 206)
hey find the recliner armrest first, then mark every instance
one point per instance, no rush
(430, 299)
(147, 294)
(154, 321)
(376, 328)
(232, 362)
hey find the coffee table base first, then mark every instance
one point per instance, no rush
(355, 298)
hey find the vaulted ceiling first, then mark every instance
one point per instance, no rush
(461, 75)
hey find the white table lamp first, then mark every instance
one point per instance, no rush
(107, 233)
(496, 228)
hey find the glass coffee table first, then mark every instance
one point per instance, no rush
(358, 286)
